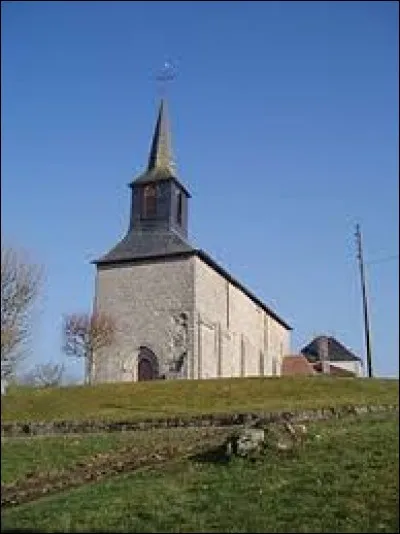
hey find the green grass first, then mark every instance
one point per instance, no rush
(20, 456)
(345, 481)
(134, 401)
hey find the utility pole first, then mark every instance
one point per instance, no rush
(364, 297)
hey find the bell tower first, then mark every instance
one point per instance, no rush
(159, 200)
(159, 204)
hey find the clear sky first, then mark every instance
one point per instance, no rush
(285, 127)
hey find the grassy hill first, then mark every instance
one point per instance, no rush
(344, 478)
(134, 401)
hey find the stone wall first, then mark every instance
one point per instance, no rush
(197, 323)
(233, 336)
(23, 429)
(147, 301)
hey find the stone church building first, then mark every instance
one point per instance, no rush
(178, 313)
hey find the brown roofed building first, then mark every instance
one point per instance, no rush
(296, 365)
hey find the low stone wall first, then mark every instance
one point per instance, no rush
(25, 429)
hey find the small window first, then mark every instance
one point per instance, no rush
(150, 201)
(179, 209)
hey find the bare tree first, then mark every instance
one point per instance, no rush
(86, 333)
(45, 375)
(20, 284)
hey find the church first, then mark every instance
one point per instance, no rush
(178, 313)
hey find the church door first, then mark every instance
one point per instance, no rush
(147, 365)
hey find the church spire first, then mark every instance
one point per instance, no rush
(161, 165)
(160, 154)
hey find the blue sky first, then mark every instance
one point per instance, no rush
(285, 130)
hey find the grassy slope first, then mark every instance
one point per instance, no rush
(20, 456)
(346, 481)
(191, 397)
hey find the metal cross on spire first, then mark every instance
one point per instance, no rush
(161, 153)
(166, 74)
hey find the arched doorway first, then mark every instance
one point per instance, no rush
(147, 365)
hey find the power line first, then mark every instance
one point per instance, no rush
(382, 260)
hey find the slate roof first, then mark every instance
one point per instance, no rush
(161, 162)
(161, 152)
(146, 244)
(158, 175)
(336, 351)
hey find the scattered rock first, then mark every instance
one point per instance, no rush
(245, 442)
(283, 446)
(279, 436)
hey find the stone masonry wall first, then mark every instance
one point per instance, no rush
(233, 336)
(36, 428)
(145, 300)
(227, 333)
(279, 345)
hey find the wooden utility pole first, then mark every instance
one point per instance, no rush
(364, 297)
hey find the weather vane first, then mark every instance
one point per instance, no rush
(166, 74)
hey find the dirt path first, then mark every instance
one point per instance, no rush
(104, 465)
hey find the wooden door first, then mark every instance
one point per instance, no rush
(146, 370)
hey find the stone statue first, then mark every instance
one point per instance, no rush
(179, 341)
(126, 370)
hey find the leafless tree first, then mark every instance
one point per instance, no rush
(20, 285)
(86, 333)
(45, 375)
